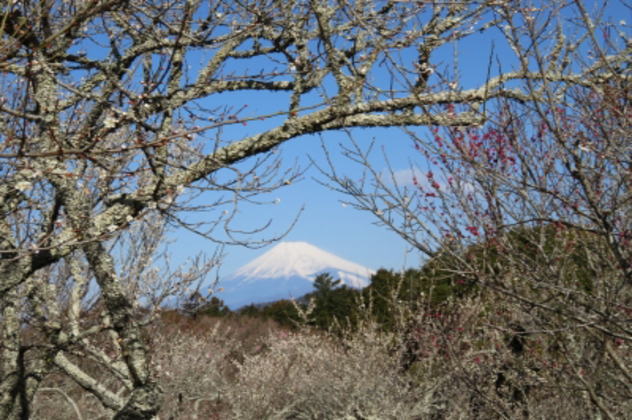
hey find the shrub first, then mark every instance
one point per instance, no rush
(308, 376)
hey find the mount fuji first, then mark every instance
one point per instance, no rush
(287, 271)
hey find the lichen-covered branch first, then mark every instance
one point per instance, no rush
(114, 114)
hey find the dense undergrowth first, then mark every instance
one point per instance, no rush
(441, 342)
(457, 362)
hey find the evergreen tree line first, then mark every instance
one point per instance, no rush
(393, 296)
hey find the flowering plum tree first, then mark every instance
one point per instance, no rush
(534, 206)
(113, 110)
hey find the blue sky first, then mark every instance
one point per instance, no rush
(325, 222)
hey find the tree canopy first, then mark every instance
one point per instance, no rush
(119, 118)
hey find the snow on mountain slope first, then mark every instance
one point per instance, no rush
(288, 271)
(299, 259)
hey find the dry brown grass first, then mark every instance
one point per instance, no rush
(441, 364)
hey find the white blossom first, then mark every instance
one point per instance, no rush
(23, 185)
(110, 122)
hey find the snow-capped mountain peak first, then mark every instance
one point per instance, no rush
(288, 271)
(296, 259)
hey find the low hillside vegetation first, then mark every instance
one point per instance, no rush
(420, 344)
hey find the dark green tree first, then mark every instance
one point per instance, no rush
(335, 305)
(251, 310)
(393, 296)
(283, 311)
(214, 307)
(324, 284)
